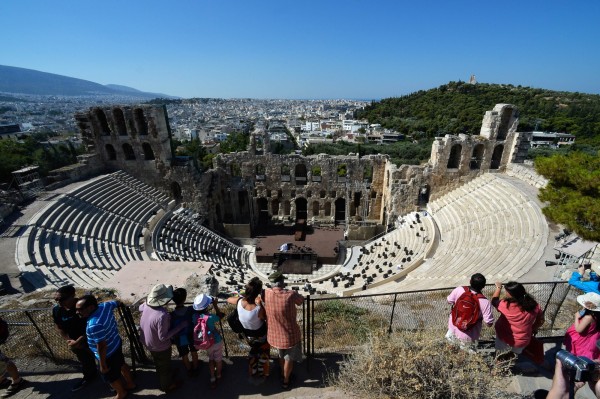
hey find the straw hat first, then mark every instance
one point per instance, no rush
(160, 295)
(590, 301)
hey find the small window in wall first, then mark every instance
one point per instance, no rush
(279, 193)
(308, 194)
(275, 207)
(342, 170)
(333, 194)
(110, 152)
(148, 153)
(286, 208)
(128, 151)
(315, 208)
(285, 170)
(322, 194)
(454, 158)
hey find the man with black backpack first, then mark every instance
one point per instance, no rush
(470, 309)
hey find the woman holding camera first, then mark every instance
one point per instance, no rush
(520, 317)
(581, 337)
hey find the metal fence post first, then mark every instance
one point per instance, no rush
(392, 315)
(41, 334)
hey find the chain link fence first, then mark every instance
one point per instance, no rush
(329, 325)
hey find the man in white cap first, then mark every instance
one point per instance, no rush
(156, 334)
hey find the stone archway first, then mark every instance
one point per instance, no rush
(497, 157)
(477, 157)
(263, 211)
(301, 208)
(340, 210)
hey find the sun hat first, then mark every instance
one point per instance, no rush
(277, 276)
(201, 302)
(160, 295)
(590, 301)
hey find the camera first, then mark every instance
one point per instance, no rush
(580, 367)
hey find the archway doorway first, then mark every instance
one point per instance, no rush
(340, 210)
(477, 157)
(263, 211)
(497, 157)
(301, 208)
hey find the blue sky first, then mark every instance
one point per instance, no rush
(306, 49)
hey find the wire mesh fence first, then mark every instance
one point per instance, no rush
(329, 325)
(339, 324)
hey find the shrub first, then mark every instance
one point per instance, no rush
(415, 365)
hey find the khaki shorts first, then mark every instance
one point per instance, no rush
(293, 354)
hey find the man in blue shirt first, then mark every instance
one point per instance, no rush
(585, 286)
(104, 340)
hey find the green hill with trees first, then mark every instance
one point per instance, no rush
(458, 107)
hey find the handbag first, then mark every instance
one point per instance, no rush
(234, 320)
(535, 351)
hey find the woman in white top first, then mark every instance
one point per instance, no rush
(252, 315)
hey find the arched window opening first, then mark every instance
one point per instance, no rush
(504, 121)
(148, 153)
(263, 210)
(315, 208)
(497, 157)
(477, 157)
(275, 207)
(110, 152)
(141, 123)
(286, 208)
(454, 158)
(119, 122)
(327, 208)
(128, 151)
(101, 116)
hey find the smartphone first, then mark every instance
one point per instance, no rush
(587, 266)
(582, 312)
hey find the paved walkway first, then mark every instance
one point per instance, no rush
(48, 380)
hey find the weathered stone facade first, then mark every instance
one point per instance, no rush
(255, 187)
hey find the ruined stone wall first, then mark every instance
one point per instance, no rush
(456, 160)
(134, 139)
(320, 188)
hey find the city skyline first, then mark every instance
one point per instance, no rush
(306, 50)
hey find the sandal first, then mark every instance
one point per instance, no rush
(286, 385)
(213, 383)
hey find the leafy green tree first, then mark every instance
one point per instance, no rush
(235, 142)
(573, 192)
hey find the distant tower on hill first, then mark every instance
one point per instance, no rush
(472, 80)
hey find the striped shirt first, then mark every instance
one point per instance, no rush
(102, 326)
(280, 304)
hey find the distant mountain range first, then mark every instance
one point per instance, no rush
(28, 81)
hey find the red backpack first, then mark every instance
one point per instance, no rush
(466, 311)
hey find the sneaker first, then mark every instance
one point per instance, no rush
(80, 384)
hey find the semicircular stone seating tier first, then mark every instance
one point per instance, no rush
(486, 226)
(181, 236)
(85, 236)
(384, 259)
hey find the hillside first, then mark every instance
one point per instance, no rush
(28, 81)
(458, 107)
